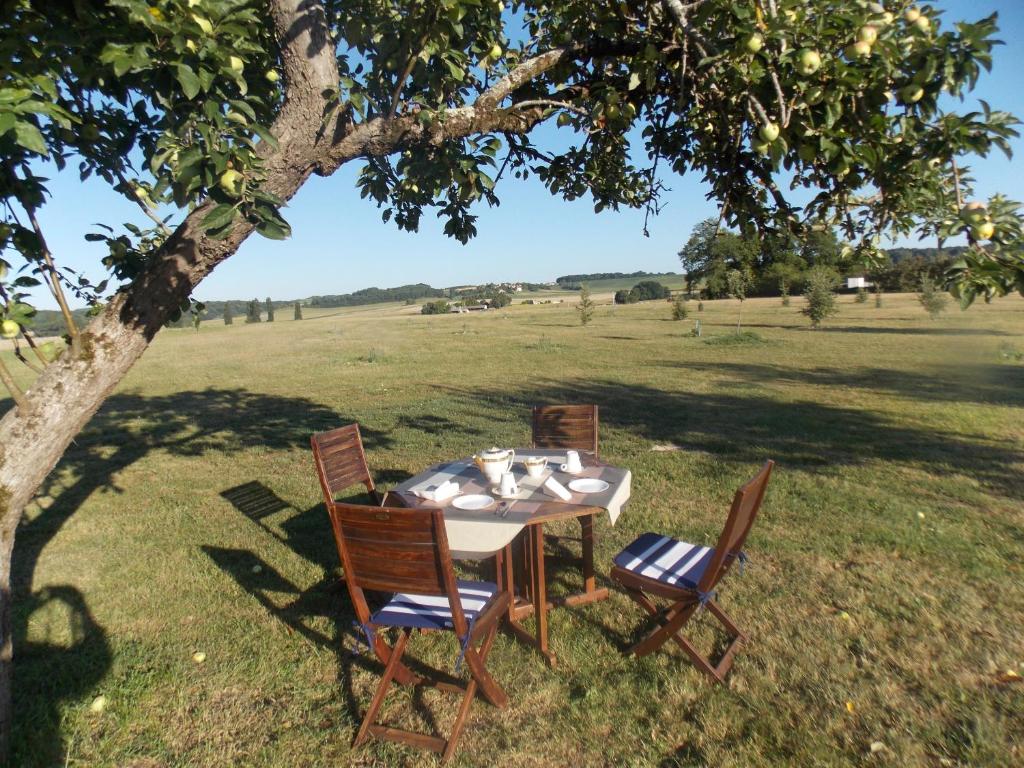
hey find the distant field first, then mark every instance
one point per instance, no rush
(884, 599)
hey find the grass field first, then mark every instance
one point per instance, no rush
(884, 600)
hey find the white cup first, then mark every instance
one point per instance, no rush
(508, 485)
(572, 462)
(535, 465)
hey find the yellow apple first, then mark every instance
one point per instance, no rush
(984, 231)
(769, 132)
(9, 329)
(911, 15)
(98, 705)
(753, 43)
(231, 182)
(808, 62)
(923, 23)
(198, 657)
(867, 34)
(271, 75)
(495, 52)
(858, 50)
(761, 147)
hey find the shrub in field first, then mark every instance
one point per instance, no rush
(784, 292)
(932, 300)
(679, 311)
(626, 297)
(878, 296)
(439, 307)
(820, 295)
(270, 310)
(700, 306)
(229, 317)
(298, 311)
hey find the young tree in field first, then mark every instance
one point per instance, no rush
(820, 295)
(585, 306)
(298, 311)
(270, 310)
(878, 295)
(229, 317)
(679, 309)
(216, 113)
(862, 295)
(738, 282)
(931, 299)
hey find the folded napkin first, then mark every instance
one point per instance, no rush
(445, 490)
(554, 488)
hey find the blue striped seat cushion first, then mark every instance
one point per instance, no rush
(665, 559)
(434, 611)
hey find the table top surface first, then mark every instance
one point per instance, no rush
(478, 532)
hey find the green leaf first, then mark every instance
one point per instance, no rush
(221, 216)
(28, 136)
(189, 81)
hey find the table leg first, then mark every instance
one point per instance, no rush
(540, 598)
(587, 534)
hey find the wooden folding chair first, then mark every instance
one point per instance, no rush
(571, 426)
(341, 462)
(687, 575)
(565, 426)
(405, 551)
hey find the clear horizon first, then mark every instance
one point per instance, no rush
(339, 243)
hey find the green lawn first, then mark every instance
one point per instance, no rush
(884, 600)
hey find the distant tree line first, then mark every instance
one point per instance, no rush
(573, 282)
(782, 267)
(377, 295)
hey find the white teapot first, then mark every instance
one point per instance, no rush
(495, 462)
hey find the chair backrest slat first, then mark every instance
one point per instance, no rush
(395, 548)
(341, 461)
(565, 426)
(745, 506)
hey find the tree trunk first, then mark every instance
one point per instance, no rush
(70, 390)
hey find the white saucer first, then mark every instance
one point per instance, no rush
(588, 485)
(472, 501)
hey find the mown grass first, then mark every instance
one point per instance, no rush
(884, 599)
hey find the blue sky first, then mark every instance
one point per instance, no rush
(339, 243)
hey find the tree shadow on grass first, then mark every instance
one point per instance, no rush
(814, 436)
(869, 329)
(129, 427)
(981, 383)
(67, 657)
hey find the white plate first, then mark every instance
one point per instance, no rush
(472, 501)
(588, 485)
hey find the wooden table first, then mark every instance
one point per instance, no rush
(518, 529)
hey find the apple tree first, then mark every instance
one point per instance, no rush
(210, 114)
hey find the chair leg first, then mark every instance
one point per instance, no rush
(382, 689)
(476, 659)
(460, 720)
(659, 635)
